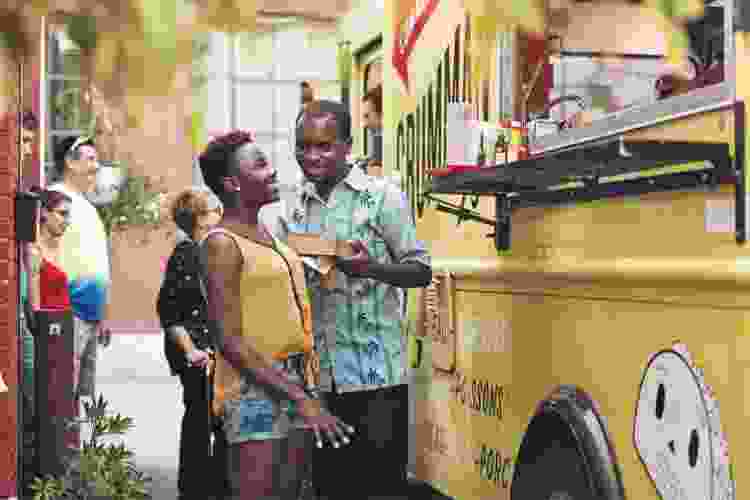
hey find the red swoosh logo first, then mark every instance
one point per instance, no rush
(401, 55)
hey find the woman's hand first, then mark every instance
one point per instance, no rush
(27, 252)
(105, 336)
(321, 422)
(197, 358)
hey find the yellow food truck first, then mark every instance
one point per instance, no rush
(587, 332)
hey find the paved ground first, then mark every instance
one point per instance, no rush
(133, 376)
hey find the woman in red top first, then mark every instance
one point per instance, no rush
(49, 284)
(48, 293)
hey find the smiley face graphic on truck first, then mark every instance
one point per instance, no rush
(677, 431)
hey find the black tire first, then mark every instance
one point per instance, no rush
(557, 473)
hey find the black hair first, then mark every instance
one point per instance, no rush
(338, 110)
(63, 152)
(375, 97)
(217, 161)
(29, 120)
(49, 199)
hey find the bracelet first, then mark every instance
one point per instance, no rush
(298, 394)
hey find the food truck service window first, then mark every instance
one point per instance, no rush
(612, 77)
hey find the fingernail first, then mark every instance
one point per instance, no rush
(346, 441)
(320, 445)
(335, 445)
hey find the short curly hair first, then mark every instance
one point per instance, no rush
(190, 204)
(217, 160)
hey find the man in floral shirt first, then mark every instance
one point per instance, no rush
(357, 322)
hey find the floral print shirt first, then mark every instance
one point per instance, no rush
(357, 325)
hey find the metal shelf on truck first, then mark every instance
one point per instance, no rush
(615, 166)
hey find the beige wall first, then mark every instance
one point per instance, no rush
(159, 148)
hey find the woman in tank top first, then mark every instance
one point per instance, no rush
(48, 292)
(257, 300)
(49, 283)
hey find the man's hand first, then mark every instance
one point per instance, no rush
(321, 422)
(358, 264)
(197, 358)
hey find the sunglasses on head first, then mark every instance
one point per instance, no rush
(81, 140)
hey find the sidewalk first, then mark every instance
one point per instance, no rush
(133, 376)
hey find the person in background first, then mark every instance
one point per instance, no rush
(49, 284)
(358, 321)
(307, 95)
(372, 118)
(29, 129)
(182, 309)
(256, 292)
(48, 293)
(84, 256)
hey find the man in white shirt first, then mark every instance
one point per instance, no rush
(85, 255)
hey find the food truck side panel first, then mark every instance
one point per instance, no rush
(607, 284)
(472, 421)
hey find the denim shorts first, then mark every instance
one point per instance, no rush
(257, 415)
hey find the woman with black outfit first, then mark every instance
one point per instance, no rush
(181, 307)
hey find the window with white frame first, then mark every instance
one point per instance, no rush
(372, 77)
(254, 83)
(65, 116)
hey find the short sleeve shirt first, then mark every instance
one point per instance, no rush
(85, 258)
(358, 325)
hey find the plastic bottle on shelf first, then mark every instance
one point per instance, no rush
(523, 149)
(482, 156)
(500, 148)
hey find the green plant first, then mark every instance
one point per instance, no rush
(97, 471)
(137, 205)
(199, 71)
(81, 29)
(344, 63)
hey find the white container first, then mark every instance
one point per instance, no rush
(490, 133)
(463, 135)
(540, 128)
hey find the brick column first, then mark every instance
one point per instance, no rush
(8, 283)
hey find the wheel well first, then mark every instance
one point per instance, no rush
(542, 430)
(569, 417)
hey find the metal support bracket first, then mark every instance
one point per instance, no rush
(502, 222)
(459, 211)
(742, 16)
(740, 182)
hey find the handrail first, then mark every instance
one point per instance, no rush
(663, 270)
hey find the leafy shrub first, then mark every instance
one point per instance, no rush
(97, 471)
